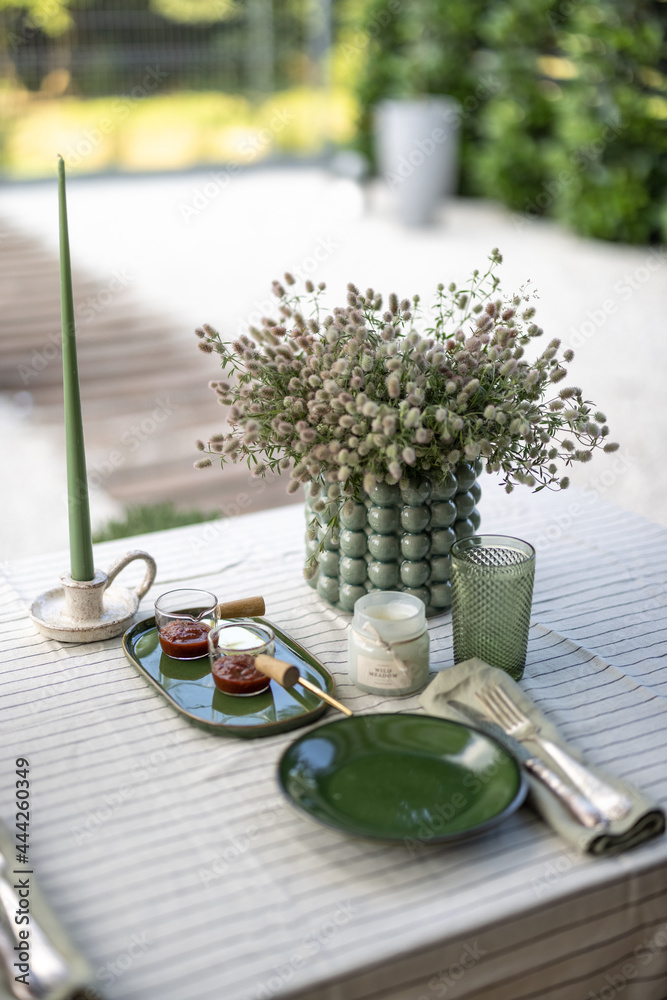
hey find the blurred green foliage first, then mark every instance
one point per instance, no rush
(196, 11)
(171, 131)
(515, 125)
(564, 102)
(105, 46)
(612, 122)
(164, 84)
(48, 17)
(145, 518)
(397, 48)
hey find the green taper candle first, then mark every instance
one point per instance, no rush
(80, 538)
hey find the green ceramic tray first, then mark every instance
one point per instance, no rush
(412, 778)
(188, 686)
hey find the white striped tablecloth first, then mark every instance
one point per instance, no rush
(178, 870)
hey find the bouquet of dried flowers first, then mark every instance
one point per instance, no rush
(378, 393)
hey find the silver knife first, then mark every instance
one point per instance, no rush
(581, 808)
(610, 800)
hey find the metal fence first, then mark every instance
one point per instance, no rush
(237, 46)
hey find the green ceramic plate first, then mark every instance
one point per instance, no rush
(188, 686)
(402, 777)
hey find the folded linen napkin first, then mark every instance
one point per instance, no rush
(461, 683)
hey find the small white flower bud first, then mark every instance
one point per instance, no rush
(393, 386)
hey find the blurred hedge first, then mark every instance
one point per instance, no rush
(166, 131)
(565, 101)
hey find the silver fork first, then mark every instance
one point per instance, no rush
(609, 800)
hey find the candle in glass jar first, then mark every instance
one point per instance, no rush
(388, 646)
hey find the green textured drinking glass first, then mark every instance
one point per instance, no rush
(492, 593)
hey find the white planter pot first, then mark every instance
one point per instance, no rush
(417, 150)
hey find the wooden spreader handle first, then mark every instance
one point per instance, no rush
(286, 674)
(246, 607)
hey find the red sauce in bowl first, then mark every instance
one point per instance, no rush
(236, 674)
(185, 640)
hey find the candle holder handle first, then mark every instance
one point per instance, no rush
(120, 564)
(88, 610)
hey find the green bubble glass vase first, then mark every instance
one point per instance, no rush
(393, 538)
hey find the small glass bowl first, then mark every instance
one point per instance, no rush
(232, 648)
(184, 619)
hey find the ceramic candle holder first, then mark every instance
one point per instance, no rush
(89, 610)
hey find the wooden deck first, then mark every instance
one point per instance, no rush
(144, 385)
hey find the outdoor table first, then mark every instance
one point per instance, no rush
(178, 869)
